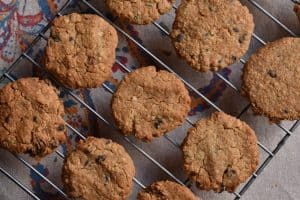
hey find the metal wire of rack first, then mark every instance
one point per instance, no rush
(41, 35)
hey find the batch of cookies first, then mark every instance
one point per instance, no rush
(219, 152)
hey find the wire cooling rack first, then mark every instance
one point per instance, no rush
(41, 36)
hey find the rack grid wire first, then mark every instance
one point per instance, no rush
(41, 36)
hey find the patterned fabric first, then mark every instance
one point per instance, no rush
(21, 21)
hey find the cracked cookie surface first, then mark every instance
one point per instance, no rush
(31, 117)
(271, 80)
(220, 152)
(139, 11)
(212, 34)
(81, 50)
(166, 190)
(150, 103)
(297, 10)
(98, 169)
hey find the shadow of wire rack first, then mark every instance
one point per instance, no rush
(41, 36)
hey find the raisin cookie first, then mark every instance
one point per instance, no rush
(271, 80)
(166, 190)
(150, 103)
(220, 152)
(139, 11)
(212, 34)
(81, 50)
(98, 169)
(31, 118)
(297, 10)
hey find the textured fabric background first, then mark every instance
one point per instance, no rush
(21, 20)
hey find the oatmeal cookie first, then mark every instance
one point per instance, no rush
(31, 118)
(212, 34)
(220, 152)
(139, 11)
(166, 190)
(81, 50)
(271, 80)
(98, 169)
(150, 103)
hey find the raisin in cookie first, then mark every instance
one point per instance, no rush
(98, 169)
(150, 103)
(212, 34)
(139, 11)
(31, 117)
(81, 50)
(271, 80)
(166, 190)
(220, 152)
(297, 10)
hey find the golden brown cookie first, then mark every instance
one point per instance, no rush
(212, 34)
(297, 10)
(139, 11)
(81, 50)
(166, 190)
(98, 169)
(271, 80)
(220, 152)
(31, 117)
(150, 103)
